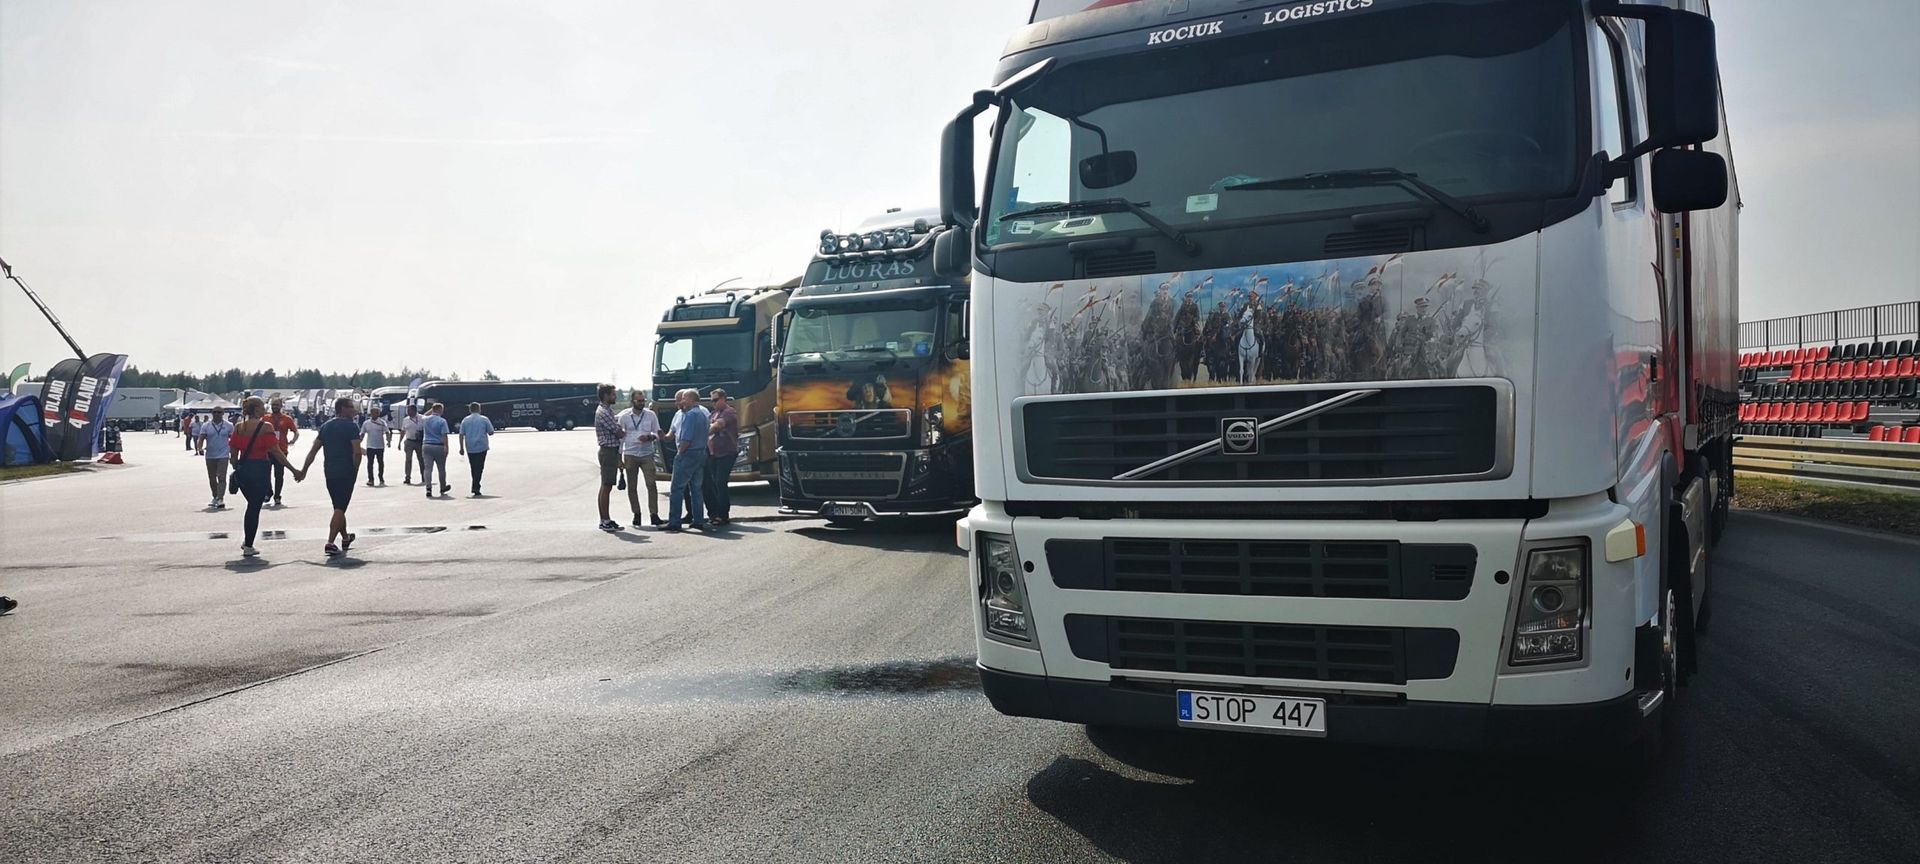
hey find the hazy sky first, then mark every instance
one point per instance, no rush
(526, 186)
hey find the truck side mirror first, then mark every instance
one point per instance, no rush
(1688, 180)
(1683, 75)
(956, 164)
(1683, 80)
(953, 254)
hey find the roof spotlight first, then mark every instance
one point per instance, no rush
(847, 243)
(900, 238)
(874, 241)
(829, 244)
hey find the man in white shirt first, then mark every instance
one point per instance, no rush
(374, 433)
(410, 441)
(642, 428)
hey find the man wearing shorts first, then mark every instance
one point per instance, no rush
(608, 434)
(341, 439)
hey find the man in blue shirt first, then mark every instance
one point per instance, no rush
(689, 440)
(340, 437)
(475, 429)
(434, 432)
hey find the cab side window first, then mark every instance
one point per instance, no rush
(1614, 108)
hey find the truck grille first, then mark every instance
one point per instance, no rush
(1398, 434)
(859, 476)
(1374, 655)
(836, 425)
(1381, 569)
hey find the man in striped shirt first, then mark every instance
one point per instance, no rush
(608, 434)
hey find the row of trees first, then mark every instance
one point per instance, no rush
(233, 380)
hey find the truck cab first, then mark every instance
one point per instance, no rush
(723, 339)
(1359, 370)
(875, 378)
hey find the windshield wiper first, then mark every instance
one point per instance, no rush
(1372, 177)
(1110, 205)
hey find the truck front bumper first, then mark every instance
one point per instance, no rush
(1398, 723)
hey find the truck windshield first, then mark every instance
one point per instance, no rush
(709, 352)
(841, 330)
(1479, 102)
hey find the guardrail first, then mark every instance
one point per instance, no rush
(1889, 467)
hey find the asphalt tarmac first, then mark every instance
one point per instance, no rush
(495, 680)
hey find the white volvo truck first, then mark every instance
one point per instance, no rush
(1360, 369)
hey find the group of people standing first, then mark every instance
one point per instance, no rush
(705, 443)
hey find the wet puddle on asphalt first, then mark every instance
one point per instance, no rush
(880, 680)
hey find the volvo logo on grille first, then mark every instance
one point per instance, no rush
(1239, 436)
(846, 424)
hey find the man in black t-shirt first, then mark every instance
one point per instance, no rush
(340, 437)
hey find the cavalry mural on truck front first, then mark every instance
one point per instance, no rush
(1398, 317)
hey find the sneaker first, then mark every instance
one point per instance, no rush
(444, 489)
(8, 604)
(249, 552)
(659, 522)
(276, 503)
(429, 494)
(609, 526)
(407, 482)
(474, 495)
(636, 522)
(671, 529)
(220, 504)
(332, 551)
(369, 484)
(347, 543)
(702, 527)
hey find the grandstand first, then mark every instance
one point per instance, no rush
(1850, 373)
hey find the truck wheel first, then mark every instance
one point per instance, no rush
(550, 427)
(569, 424)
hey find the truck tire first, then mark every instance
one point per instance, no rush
(569, 424)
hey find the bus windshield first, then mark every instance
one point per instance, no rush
(1479, 102)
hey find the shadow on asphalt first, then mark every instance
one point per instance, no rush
(891, 679)
(902, 535)
(1221, 795)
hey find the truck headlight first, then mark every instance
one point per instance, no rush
(1003, 593)
(930, 424)
(1553, 606)
(743, 463)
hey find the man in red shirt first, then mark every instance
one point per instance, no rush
(288, 429)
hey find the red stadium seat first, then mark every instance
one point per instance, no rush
(1822, 354)
(1906, 368)
(1860, 412)
(1877, 433)
(1913, 435)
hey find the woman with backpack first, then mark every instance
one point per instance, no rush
(255, 449)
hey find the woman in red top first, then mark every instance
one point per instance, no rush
(255, 447)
